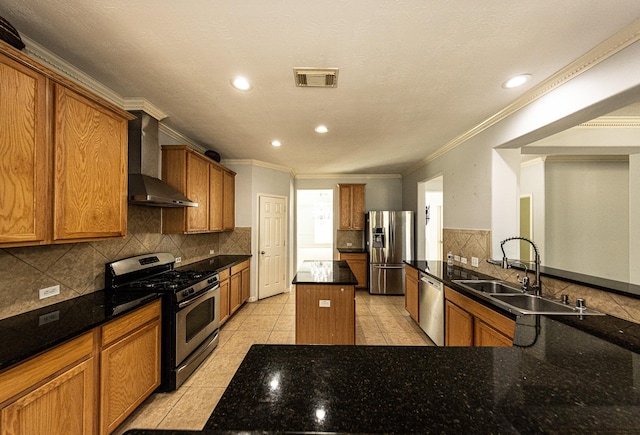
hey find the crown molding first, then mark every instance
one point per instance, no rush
(586, 158)
(613, 122)
(139, 103)
(260, 163)
(347, 176)
(179, 137)
(624, 38)
(533, 162)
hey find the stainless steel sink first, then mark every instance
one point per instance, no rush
(508, 296)
(491, 286)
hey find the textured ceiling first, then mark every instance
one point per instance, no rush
(414, 74)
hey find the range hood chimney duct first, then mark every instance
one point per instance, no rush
(145, 188)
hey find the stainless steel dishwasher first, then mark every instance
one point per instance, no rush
(432, 308)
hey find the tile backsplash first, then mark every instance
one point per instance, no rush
(477, 243)
(79, 267)
(344, 237)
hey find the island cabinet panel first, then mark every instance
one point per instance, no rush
(63, 165)
(359, 266)
(325, 314)
(470, 323)
(412, 293)
(24, 161)
(203, 181)
(130, 364)
(90, 163)
(54, 392)
(351, 206)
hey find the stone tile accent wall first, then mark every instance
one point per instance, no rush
(355, 237)
(477, 243)
(79, 267)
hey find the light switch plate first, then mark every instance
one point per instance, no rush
(49, 291)
(456, 257)
(474, 261)
(463, 260)
(212, 251)
(325, 303)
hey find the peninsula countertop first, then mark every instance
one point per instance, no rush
(325, 272)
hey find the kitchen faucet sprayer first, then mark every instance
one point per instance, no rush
(537, 286)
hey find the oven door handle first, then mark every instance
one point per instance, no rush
(196, 297)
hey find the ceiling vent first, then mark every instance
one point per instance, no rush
(316, 77)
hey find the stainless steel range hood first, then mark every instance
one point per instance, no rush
(145, 188)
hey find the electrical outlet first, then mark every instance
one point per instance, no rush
(178, 260)
(463, 260)
(49, 291)
(349, 244)
(474, 261)
(212, 251)
(456, 258)
(325, 303)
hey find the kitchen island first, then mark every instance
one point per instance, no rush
(325, 303)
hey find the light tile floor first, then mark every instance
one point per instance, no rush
(380, 320)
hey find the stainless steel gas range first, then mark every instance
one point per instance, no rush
(190, 313)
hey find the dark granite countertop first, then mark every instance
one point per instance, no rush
(352, 250)
(26, 335)
(325, 272)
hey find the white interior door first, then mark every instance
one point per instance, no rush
(272, 250)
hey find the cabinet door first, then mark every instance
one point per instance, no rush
(24, 167)
(64, 405)
(485, 335)
(130, 371)
(358, 265)
(229, 201)
(411, 296)
(344, 194)
(197, 191)
(225, 287)
(216, 191)
(357, 207)
(246, 284)
(331, 323)
(459, 326)
(235, 292)
(90, 163)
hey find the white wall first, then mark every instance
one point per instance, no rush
(532, 183)
(634, 219)
(587, 217)
(252, 179)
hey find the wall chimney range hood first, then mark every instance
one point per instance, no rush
(145, 188)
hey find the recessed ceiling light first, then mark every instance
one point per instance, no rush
(322, 129)
(276, 143)
(516, 81)
(241, 84)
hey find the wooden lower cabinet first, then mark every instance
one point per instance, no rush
(469, 323)
(412, 292)
(240, 285)
(317, 323)
(225, 292)
(129, 364)
(359, 266)
(53, 393)
(87, 385)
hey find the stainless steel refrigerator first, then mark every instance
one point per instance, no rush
(389, 243)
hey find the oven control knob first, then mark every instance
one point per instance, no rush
(185, 293)
(191, 290)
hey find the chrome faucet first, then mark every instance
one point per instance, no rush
(536, 286)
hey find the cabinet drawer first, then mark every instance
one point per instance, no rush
(239, 267)
(353, 256)
(118, 328)
(223, 274)
(30, 373)
(411, 273)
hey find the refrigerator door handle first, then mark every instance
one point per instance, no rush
(387, 267)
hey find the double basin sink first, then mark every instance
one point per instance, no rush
(514, 300)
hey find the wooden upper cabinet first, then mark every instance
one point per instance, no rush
(203, 181)
(351, 197)
(24, 160)
(229, 200)
(90, 163)
(63, 166)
